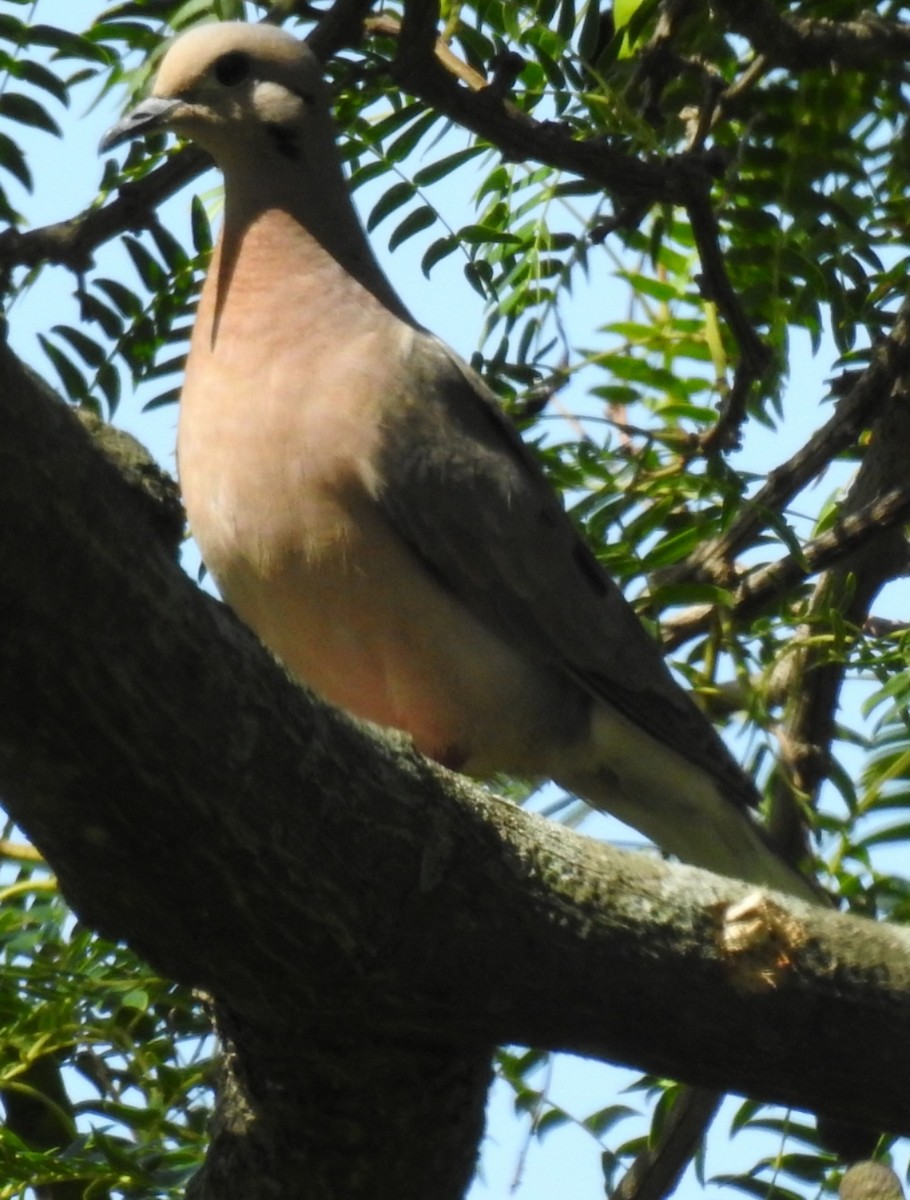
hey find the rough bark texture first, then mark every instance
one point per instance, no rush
(367, 925)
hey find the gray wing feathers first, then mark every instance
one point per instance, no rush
(474, 505)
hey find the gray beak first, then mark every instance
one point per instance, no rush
(147, 117)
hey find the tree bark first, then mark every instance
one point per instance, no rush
(368, 925)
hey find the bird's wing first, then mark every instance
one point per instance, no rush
(469, 498)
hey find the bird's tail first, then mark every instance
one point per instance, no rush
(682, 808)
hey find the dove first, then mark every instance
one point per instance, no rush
(366, 507)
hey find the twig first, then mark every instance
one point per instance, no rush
(854, 412)
(72, 243)
(755, 356)
(766, 584)
(657, 1170)
(769, 582)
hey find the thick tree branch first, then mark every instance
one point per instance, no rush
(804, 42)
(325, 883)
(854, 531)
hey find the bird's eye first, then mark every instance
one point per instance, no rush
(232, 69)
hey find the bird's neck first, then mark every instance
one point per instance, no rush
(329, 227)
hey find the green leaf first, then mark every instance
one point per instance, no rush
(148, 268)
(437, 251)
(201, 227)
(394, 121)
(395, 197)
(889, 835)
(656, 289)
(600, 1122)
(420, 218)
(71, 377)
(108, 380)
(87, 349)
(404, 144)
(36, 74)
(445, 166)
(566, 23)
(170, 249)
(16, 107)
(110, 321)
(553, 1118)
(479, 275)
(368, 172)
(13, 160)
(127, 301)
(476, 235)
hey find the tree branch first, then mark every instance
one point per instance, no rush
(801, 43)
(72, 243)
(764, 585)
(323, 882)
(852, 532)
(518, 137)
(857, 410)
(657, 1170)
(811, 678)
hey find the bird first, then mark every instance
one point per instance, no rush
(368, 509)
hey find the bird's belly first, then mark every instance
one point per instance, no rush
(279, 497)
(356, 616)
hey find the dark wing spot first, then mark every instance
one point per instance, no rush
(284, 141)
(233, 68)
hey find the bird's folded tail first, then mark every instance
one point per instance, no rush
(680, 806)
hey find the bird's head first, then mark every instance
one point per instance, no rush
(225, 85)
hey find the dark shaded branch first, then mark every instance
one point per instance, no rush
(725, 433)
(755, 356)
(800, 43)
(519, 137)
(854, 413)
(339, 27)
(72, 243)
(852, 532)
(324, 1113)
(417, 35)
(844, 595)
(656, 1172)
(316, 877)
(762, 587)
(884, 627)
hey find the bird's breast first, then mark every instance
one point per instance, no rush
(278, 454)
(309, 562)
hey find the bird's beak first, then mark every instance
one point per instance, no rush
(149, 116)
